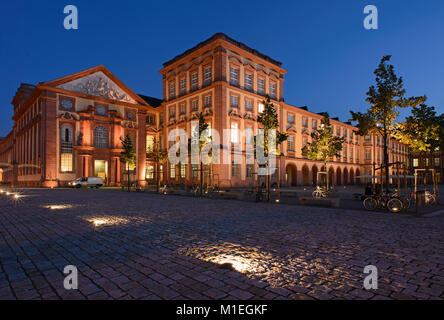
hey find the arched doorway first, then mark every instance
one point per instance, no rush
(305, 175)
(352, 176)
(358, 173)
(314, 177)
(338, 176)
(291, 172)
(331, 176)
(345, 176)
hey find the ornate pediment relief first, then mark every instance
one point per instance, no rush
(98, 84)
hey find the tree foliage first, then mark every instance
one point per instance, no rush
(386, 99)
(324, 144)
(269, 120)
(422, 131)
(128, 155)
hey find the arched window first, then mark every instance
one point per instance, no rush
(66, 138)
(100, 137)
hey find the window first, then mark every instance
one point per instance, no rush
(100, 137)
(314, 124)
(304, 122)
(260, 107)
(172, 90)
(273, 90)
(368, 154)
(194, 105)
(150, 120)
(172, 112)
(149, 143)
(172, 171)
(183, 86)
(195, 170)
(249, 172)
(368, 138)
(415, 162)
(194, 81)
(235, 170)
(290, 144)
(234, 132)
(248, 105)
(357, 155)
(248, 81)
(426, 162)
(66, 149)
(183, 171)
(207, 76)
(66, 104)
(234, 77)
(207, 101)
(261, 86)
(436, 162)
(290, 118)
(235, 101)
(183, 108)
(161, 118)
(149, 172)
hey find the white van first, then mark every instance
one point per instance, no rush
(91, 182)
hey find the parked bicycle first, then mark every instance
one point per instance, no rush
(163, 189)
(320, 193)
(384, 201)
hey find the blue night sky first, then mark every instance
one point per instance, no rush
(329, 55)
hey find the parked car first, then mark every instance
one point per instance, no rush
(91, 182)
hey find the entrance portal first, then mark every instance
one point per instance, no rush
(101, 169)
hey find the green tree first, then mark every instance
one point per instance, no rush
(386, 100)
(159, 157)
(203, 141)
(324, 144)
(128, 155)
(269, 120)
(422, 131)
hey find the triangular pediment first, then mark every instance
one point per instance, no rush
(100, 85)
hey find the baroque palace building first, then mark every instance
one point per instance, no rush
(71, 127)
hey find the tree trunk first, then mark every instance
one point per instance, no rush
(157, 177)
(386, 164)
(201, 178)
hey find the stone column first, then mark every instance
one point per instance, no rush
(49, 114)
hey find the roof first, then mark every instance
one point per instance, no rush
(154, 102)
(226, 38)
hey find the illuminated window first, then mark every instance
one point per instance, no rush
(172, 171)
(183, 171)
(260, 107)
(234, 132)
(436, 162)
(149, 172)
(149, 143)
(66, 149)
(415, 162)
(426, 162)
(100, 137)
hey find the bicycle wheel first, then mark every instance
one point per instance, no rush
(316, 194)
(395, 205)
(370, 203)
(407, 203)
(429, 199)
